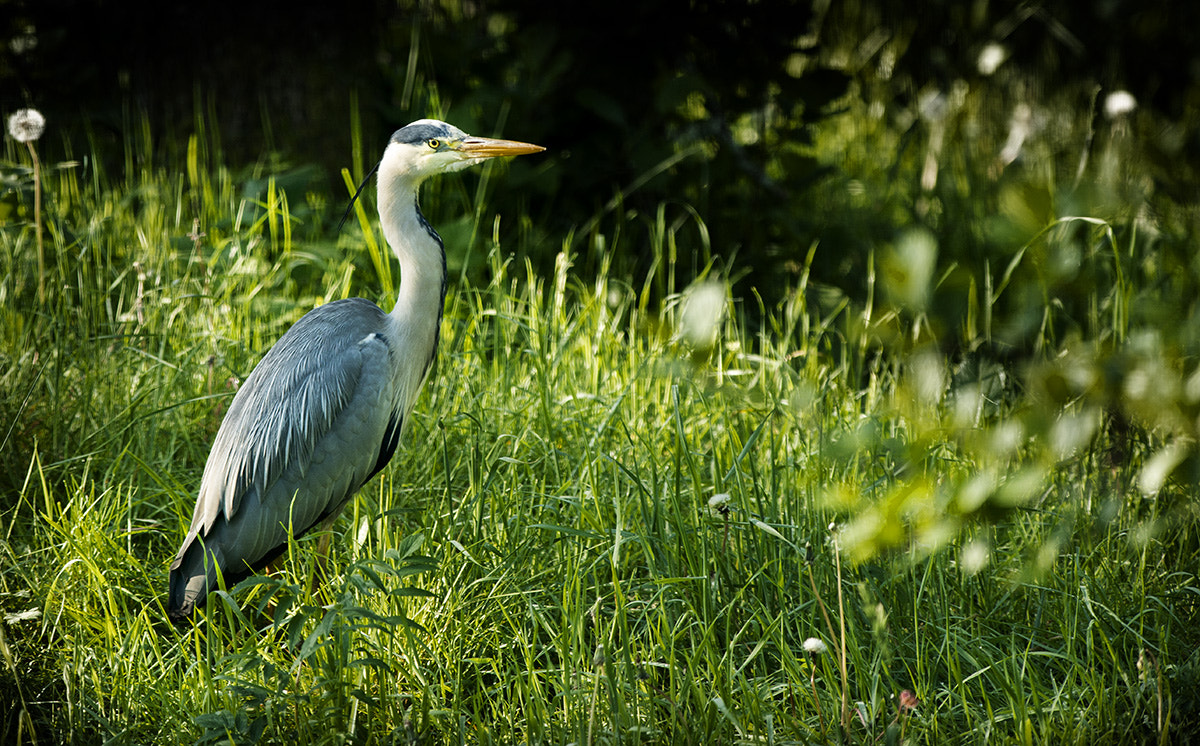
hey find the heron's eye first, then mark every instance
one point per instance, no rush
(434, 144)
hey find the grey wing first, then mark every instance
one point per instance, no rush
(312, 423)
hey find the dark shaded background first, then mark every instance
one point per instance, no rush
(613, 89)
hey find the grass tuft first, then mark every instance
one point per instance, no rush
(622, 509)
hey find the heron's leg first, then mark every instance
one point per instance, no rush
(317, 585)
(271, 568)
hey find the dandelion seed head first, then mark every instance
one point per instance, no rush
(974, 557)
(1119, 103)
(26, 125)
(701, 314)
(991, 58)
(815, 646)
(717, 501)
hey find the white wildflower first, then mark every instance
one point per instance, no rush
(815, 646)
(717, 501)
(26, 125)
(974, 557)
(1119, 103)
(991, 58)
(701, 314)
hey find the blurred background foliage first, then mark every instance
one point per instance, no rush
(772, 124)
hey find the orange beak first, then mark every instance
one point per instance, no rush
(483, 147)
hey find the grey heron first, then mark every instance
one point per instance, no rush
(323, 411)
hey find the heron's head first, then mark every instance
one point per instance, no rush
(424, 148)
(428, 146)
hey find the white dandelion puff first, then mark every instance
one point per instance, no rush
(1119, 103)
(717, 501)
(991, 58)
(26, 125)
(815, 646)
(974, 557)
(701, 314)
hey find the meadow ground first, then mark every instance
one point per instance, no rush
(624, 510)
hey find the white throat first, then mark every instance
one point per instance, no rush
(413, 241)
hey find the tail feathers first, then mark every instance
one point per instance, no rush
(191, 577)
(196, 570)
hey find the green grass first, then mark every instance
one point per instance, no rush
(541, 564)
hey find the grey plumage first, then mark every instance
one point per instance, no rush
(323, 411)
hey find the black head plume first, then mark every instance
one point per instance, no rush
(354, 199)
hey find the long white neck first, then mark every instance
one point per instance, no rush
(416, 318)
(418, 249)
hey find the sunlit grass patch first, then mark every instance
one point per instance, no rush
(623, 508)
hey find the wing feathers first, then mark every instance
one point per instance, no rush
(311, 424)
